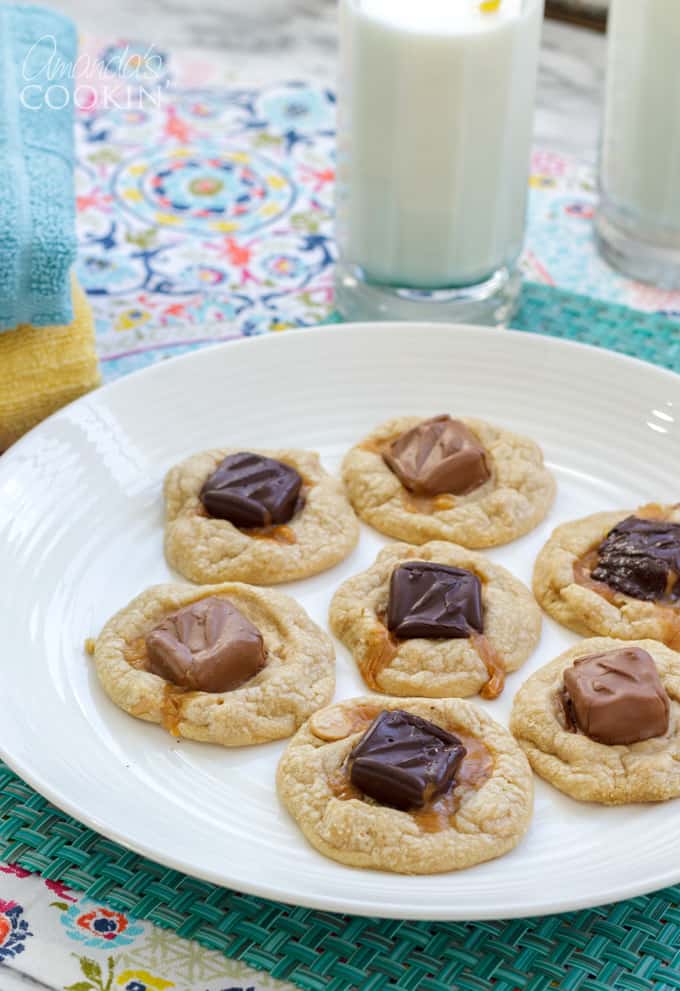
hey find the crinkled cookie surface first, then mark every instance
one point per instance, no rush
(648, 771)
(439, 668)
(298, 676)
(512, 502)
(207, 550)
(582, 608)
(484, 822)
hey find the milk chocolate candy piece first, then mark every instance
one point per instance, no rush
(438, 455)
(434, 601)
(617, 697)
(405, 761)
(250, 490)
(641, 558)
(208, 646)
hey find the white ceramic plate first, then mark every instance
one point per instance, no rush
(81, 519)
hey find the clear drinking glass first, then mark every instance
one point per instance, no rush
(435, 114)
(637, 222)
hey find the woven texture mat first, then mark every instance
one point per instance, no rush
(634, 945)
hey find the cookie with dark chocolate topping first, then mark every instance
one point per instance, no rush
(413, 785)
(615, 574)
(260, 517)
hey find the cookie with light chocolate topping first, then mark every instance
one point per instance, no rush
(229, 664)
(435, 620)
(615, 574)
(602, 721)
(462, 480)
(255, 516)
(406, 785)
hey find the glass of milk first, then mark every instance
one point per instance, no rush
(435, 115)
(638, 219)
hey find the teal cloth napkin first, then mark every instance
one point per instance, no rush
(37, 205)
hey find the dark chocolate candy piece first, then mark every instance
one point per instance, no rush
(617, 696)
(405, 761)
(434, 601)
(208, 646)
(250, 490)
(641, 558)
(438, 455)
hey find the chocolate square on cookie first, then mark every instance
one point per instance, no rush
(438, 455)
(208, 646)
(405, 761)
(616, 697)
(641, 558)
(250, 490)
(434, 601)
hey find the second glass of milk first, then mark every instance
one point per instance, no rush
(435, 113)
(638, 219)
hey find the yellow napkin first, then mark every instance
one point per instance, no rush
(43, 368)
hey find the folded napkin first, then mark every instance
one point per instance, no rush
(43, 368)
(37, 208)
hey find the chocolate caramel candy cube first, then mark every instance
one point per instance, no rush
(250, 490)
(641, 558)
(208, 646)
(617, 697)
(438, 455)
(434, 601)
(405, 761)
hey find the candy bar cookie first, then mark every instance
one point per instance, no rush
(601, 721)
(461, 480)
(436, 621)
(228, 664)
(255, 516)
(615, 574)
(407, 785)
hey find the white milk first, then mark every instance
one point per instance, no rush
(434, 136)
(641, 150)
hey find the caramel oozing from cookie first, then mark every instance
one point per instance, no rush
(475, 769)
(336, 723)
(426, 504)
(383, 648)
(171, 708)
(412, 503)
(495, 668)
(584, 566)
(281, 534)
(135, 654)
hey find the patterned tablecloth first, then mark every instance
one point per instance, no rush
(210, 215)
(205, 213)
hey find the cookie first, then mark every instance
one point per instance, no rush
(294, 676)
(207, 549)
(585, 768)
(429, 666)
(566, 573)
(484, 814)
(503, 493)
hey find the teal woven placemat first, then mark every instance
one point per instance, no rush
(634, 945)
(650, 336)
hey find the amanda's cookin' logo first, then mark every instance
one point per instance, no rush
(125, 77)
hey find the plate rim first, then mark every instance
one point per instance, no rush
(622, 891)
(378, 326)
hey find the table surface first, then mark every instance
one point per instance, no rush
(302, 37)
